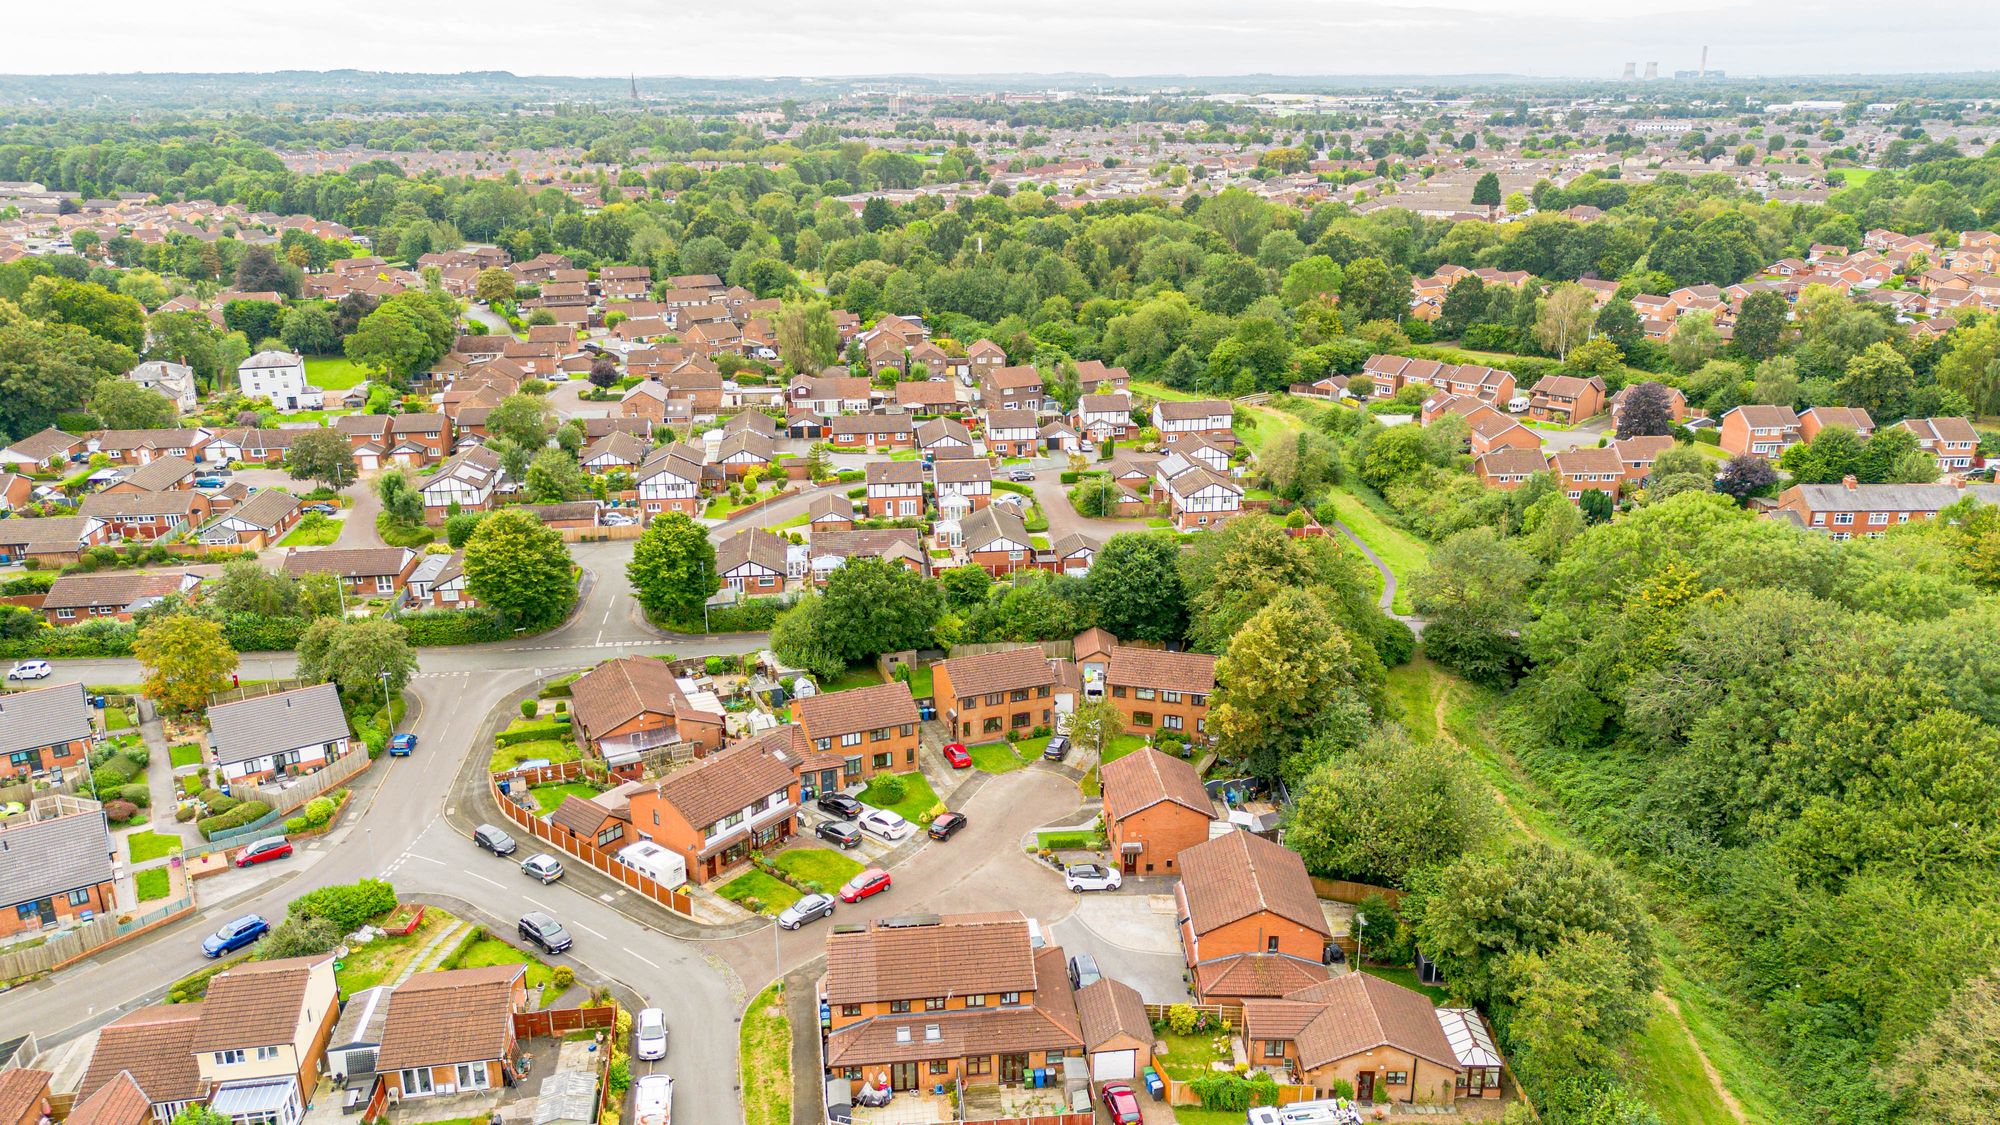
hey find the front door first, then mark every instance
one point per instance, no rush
(903, 1076)
(1131, 862)
(1012, 1067)
(1364, 1086)
(47, 909)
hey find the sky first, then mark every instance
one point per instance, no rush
(1554, 38)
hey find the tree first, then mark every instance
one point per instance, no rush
(554, 477)
(1877, 380)
(1464, 304)
(1576, 1004)
(1618, 322)
(1564, 318)
(1096, 724)
(1473, 598)
(1314, 278)
(1134, 585)
(1648, 411)
(1949, 1072)
(257, 320)
(400, 502)
(122, 404)
(520, 569)
(494, 285)
(260, 271)
(1760, 324)
(1971, 366)
(876, 605)
(245, 587)
(673, 568)
(1486, 190)
(1389, 809)
(403, 337)
(308, 330)
(1286, 666)
(1693, 340)
(48, 369)
(358, 656)
(603, 372)
(459, 526)
(1746, 476)
(1372, 290)
(525, 419)
(802, 639)
(1596, 505)
(968, 587)
(322, 455)
(186, 660)
(807, 338)
(109, 316)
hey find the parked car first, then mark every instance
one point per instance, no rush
(649, 1035)
(493, 840)
(208, 482)
(317, 509)
(841, 832)
(235, 935)
(1057, 749)
(954, 752)
(652, 1099)
(269, 848)
(545, 931)
(870, 882)
(544, 867)
(401, 745)
(884, 823)
(1121, 1103)
(1083, 971)
(1081, 877)
(841, 805)
(618, 519)
(1022, 476)
(810, 908)
(31, 670)
(945, 824)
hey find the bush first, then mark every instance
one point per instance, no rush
(301, 937)
(528, 708)
(120, 811)
(1180, 1019)
(318, 811)
(434, 627)
(295, 825)
(850, 476)
(562, 706)
(555, 727)
(239, 815)
(1068, 477)
(184, 813)
(889, 788)
(138, 793)
(250, 632)
(348, 906)
(563, 978)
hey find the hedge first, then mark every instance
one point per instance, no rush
(850, 476)
(348, 906)
(755, 615)
(90, 639)
(433, 627)
(245, 813)
(531, 732)
(317, 812)
(250, 632)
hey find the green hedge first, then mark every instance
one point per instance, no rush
(90, 639)
(754, 616)
(250, 632)
(245, 813)
(531, 732)
(850, 476)
(454, 627)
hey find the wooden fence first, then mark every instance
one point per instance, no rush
(1231, 1015)
(1342, 890)
(600, 534)
(585, 851)
(78, 942)
(296, 792)
(562, 1021)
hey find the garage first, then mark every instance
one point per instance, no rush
(1116, 1030)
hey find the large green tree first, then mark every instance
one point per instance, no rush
(1285, 667)
(122, 404)
(186, 659)
(322, 455)
(1134, 586)
(519, 568)
(673, 568)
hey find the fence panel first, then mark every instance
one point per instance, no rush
(81, 941)
(1344, 890)
(586, 852)
(562, 1021)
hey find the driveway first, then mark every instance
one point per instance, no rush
(1133, 939)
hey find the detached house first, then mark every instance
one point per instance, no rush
(752, 563)
(287, 732)
(1952, 441)
(465, 483)
(1818, 418)
(452, 1032)
(996, 539)
(146, 516)
(1384, 1042)
(871, 431)
(1009, 388)
(719, 811)
(1198, 497)
(1760, 431)
(1104, 417)
(983, 697)
(117, 595)
(1566, 399)
(364, 572)
(1202, 416)
(853, 735)
(1588, 469)
(1250, 924)
(963, 486)
(625, 707)
(670, 480)
(1154, 808)
(1012, 432)
(895, 489)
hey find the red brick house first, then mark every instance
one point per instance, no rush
(1154, 808)
(983, 697)
(720, 811)
(853, 735)
(1250, 922)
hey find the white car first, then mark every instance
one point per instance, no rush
(31, 670)
(617, 519)
(653, 1100)
(1081, 877)
(883, 823)
(649, 1035)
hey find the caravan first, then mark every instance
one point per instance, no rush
(1330, 1111)
(662, 865)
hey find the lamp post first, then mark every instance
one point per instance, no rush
(1360, 920)
(388, 714)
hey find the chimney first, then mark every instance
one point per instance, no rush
(1848, 482)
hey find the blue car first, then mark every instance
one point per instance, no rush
(208, 482)
(235, 935)
(401, 745)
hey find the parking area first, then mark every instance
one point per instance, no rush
(1133, 938)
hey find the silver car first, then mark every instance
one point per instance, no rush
(811, 908)
(649, 1035)
(543, 867)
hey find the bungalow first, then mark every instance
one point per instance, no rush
(1759, 431)
(452, 1032)
(829, 511)
(1361, 1033)
(1508, 467)
(465, 483)
(1011, 432)
(146, 515)
(163, 474)
(1952, 441)
(55, 858)
(850, 736)
(44, 730)
(15, 491)
(46, 447)
(288, 732)
(752, 562)
(1203, 416)
(254, 445)
(54, 541)
(937, 435)
(983, 697)
(929, 396)
(364, 572)
(626, 707)
(1250, 924)
(719, 812)
(871, 431)
(136, 447)
(1566, 398)
(83, 597)
(895, 489)
(996, 539)
(256, 523)
(1154, 807)
(829, 549)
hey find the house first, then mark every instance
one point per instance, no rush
(720, 811)
(24, 1096)
(1952, 441)
(136, 447)
(54, 541)
(279, 378)
(1097, 379)
(1509, 466)
(670, 480)
(153, 1048)
(1389, 374)
(1011, 432)
(1637, 454)
(852, 735)
(287, 732)
(465, 483)
(56, 856)
(995, 538)
(1759, 431)
(1850, 508)
(895, 489)
(625, 707)
(1073, 553)
(1154, 807)
(173, 381)
(1250, 924)
(982, 697)
(1117, 1034)
(963, 486)
(1198, 497)
(146, 515)
(1104, 417)
(936, 436)
(1587, 469)
(438, 582)
(1817, 418)
(1471, 380)
(1201, 416)
(15, 491)
(752, 562)
(256, 523)
(1360, 1032)
(829, 511)
(985, 355)
(364, 572)
(1488, 430)
(1677, 403)
(929, 396)
(1009, 388)
(1155, 690)
(745, 452)
(941, 999)
(1565, 399)
(119, 1101)
(452, 1032)
(615, 450)
(263, 1032)
(1200, 449)
(871, 431)
(831, 392)
(118, 595)
(429, 432)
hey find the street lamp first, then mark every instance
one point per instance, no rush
(388, 714)
(1360, 920)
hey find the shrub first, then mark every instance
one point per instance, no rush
(1068, 477)
(348, 906)
(120, 811)
(318, 811)
(137, 793)
(556, 727)
(528, 708)
(184, 814)
(243, 813)
(436, 627)
(219, 802)
(250, 632)
(1180, 1019)
(850, 476)
(301, 937)
(562, 706)
(295, 825)
(890, 788)
(563, 978)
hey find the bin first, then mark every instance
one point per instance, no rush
(1154, 1086)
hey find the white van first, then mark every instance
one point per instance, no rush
(662, 865)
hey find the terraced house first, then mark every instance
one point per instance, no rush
(55, 862)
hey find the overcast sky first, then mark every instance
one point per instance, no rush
(1582, 38)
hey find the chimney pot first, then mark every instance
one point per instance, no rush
(1848, 482)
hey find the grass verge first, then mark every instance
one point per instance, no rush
(764, 1052)
(822, 866)
(918, 796)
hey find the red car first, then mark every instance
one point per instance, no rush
(954, 752)
(277, 847)
(870, 882)
(1121, 1103)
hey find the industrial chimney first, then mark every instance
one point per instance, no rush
(1631, 71)
(1652, 71)
(1704, 62)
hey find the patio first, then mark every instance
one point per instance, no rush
(910, 1107)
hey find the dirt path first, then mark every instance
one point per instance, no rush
(1714, 1076)
(1444, 735)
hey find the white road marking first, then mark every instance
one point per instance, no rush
(640, 956)
(425, 858)
(535, 904)
(484, 879)
(594, 933)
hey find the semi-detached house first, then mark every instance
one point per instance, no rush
(1250, 924)
(285, 733)
(895, 489)
(55, 858)
(1759, 431)
(733, 803)
(852, 735)
(985, 696)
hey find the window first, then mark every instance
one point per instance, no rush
(850, 1009)
(228, 1058)
(610, 835)
(66, 614)
(80, 898)
(1170, 697)
(266, 1054)
(991, 725)
(385, 583)
(1171, 722)
(1021, 718)
(1117, 691)
(1010, 998)
(1274, 1048)
(881, 734)
(1198, 700)
(1878, 517)
(940, 1066)
(1270, 945)
(976, 1000)
(906, 730)
(416, 1082)
(1018, 695)
(1396, 1078)
(883, 761)
(899, 1006)
(978, 1064)
(934, 1004)
(1842, 519)
(1142, 718)
(473, 1076)
(851, 767)
(851, 739)
(1145, 693)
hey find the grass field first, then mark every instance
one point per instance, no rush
(764, 1051)
(549, 796)
(186, 754)
(315, 530)
(366, 966)
(823, 866)
(1414, 687)
(1069, 841)
(918, 797)
(145, 846)
(860, 675)
(556, 751)
(771, 895)
(1403, 553)
(153, 885)
(334, 373)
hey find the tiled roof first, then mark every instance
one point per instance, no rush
(159, 474)
(1146, 777)
(250, 728)
(77, 591)
(41, 717)
(257, 1003)
(728, 782)
(835, 713)
(1245, 975)
(1239, 874)
(989, 672)
(47, 857)
(1190, 672)
(621, 690)
(895, 472)
(118, 1101)
(350, 562)
(21, 1092)
(1109, 1009)
(959, 954)
(752, 545)
(1509, 460)
(155, 1044)
(459, 1016)
(1360, 1012)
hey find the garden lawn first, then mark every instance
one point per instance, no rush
(997, 757)
(334, 373)
(1404, 554)
(549, 796)
(771, 895)
(1187, 1056)
(185, 754)
(1031, 748)
(1408, 979)
(153, 884)
(143, 847)
(823, 866)
(765, 1052)
(116, 718)
(366, 966)
(860, 675)
(920, 682)
(492, 951)
(918, 797)
(1195, 1115)
(313, 531)
(556, 751)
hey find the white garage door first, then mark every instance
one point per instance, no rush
(1108, 1065)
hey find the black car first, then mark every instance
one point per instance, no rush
(493, 840)
(946, 824)
(842, 806)
(842, 832)
(1057, 749)
(545, 931)
(1083, 971)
